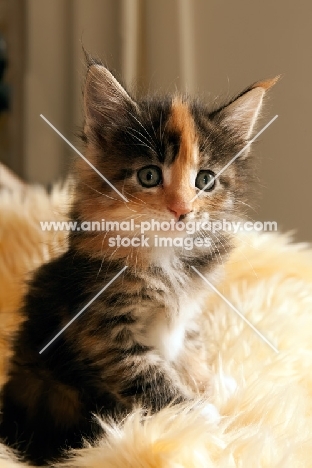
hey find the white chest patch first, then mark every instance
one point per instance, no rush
(167, 333)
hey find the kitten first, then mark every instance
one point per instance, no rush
(139, 341)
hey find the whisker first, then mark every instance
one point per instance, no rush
(246, 204)
(133, 196)
(100, 193)
(142, 142)
(144, 138)
(150, 118)
(140, 123)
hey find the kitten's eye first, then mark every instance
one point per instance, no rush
(203, 178)
(149, 176)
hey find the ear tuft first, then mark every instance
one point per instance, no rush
(266, 84)
(241, 114)
(90, 59)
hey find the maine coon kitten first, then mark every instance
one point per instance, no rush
(138, 341)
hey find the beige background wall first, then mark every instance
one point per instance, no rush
(210, 47)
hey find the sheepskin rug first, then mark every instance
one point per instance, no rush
(264, 398)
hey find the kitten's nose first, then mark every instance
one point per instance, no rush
(180, 208)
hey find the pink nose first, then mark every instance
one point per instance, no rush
(179, 208)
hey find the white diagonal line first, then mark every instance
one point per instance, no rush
(84, 158)
(238, 313)
(83, 309)
(235, 157)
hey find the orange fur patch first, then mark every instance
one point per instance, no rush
(181, 122)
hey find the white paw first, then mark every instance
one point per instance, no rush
(229, 384)
(211, 413)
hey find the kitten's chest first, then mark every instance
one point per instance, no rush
(167, 331)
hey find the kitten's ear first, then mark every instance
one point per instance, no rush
(241, 114)
(105, 100)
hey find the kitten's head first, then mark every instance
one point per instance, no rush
(162, 156)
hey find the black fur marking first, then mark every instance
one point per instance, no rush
(173, 142)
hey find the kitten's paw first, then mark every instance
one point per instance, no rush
(211, 413)
(223, 387)
(230, 385)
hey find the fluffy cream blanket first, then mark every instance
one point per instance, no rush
(264, 398)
